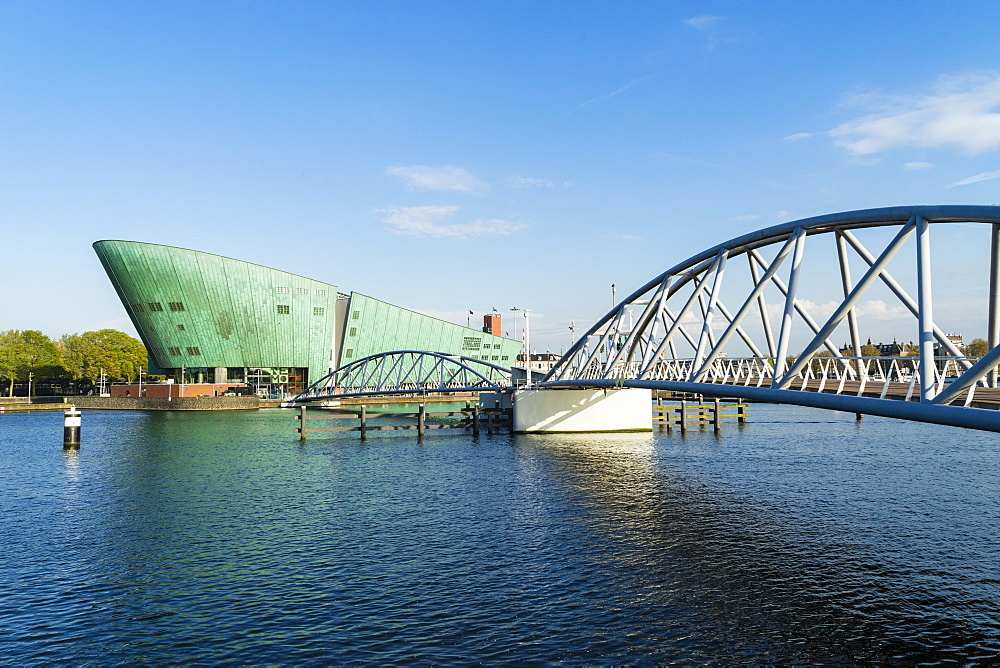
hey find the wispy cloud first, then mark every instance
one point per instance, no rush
(874, 309)
(426, 221)
(917, 165)
(608, 96)
(529, 182)
(447, 177)
(703, 22)
(798, 135)
(961, 112)
(745, 218)
(712, 28)
(982, 176)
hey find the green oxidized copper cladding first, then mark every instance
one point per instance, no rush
(373, 327)
(196, 309)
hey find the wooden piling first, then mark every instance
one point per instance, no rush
(364, 420)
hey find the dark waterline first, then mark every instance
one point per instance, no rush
(218, 537)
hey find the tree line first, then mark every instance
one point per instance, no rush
(70, 361)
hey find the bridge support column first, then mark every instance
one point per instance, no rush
(586, 410)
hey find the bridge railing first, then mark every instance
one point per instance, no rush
(854, 374)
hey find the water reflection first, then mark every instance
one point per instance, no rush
(205, 537)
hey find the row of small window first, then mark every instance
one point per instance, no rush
(285, 309)
(349, 353)
(157, 307)
(300, 291)
(176, 352)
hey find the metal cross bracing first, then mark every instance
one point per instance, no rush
(406, 372)
(761, 318)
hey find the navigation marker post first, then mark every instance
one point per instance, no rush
(71, 427)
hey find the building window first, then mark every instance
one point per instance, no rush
(319, 293)
(174, 351)
(472, 343)
(139, 307)
(318, 310)
(155, 307)
(355, 315)
(504, 358)
(496, 346)
(284, 309)
(495, 358)
(176, 306)
(281, 291)
(349, 352)
(354, 331)
(193, 350)
(301, 291)
(158, 351)
(180, 328)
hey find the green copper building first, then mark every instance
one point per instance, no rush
(207, 318)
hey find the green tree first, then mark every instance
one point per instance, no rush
(27, 352)
(9, 362)
(117, 353)
(977, 348)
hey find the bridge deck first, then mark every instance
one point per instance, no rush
(984, 397)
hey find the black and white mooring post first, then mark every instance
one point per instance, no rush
(71, 427)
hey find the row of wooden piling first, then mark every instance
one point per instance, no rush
(680, 414)
(473, 418)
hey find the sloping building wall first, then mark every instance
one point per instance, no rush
(196, 309)
(373, 326)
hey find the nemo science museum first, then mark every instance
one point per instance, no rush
(205, 318)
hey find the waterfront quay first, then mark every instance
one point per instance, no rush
(800, 537)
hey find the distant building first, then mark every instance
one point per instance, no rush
(491, 324)
(540, 361)
(210, 319)
(894, 349)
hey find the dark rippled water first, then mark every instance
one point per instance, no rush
(802, 537)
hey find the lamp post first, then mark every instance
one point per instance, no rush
(527, 345)
(30, 376)
(613, 294)
(515, 310)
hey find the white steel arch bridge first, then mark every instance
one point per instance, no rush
(781, 315)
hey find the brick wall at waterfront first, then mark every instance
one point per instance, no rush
(164, 404)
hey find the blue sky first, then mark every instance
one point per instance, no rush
(456, 156)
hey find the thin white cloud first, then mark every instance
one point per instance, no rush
(426, 221)
(447, 177)
(529, 182)
(961, 112)
(782, 214)
(874, 309)
(917, 165)
(703, 22)
(608, 96)
(983, 176)
(713, 28)
(797, 136)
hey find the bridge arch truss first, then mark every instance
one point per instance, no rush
(406, 372)
(781, 314)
